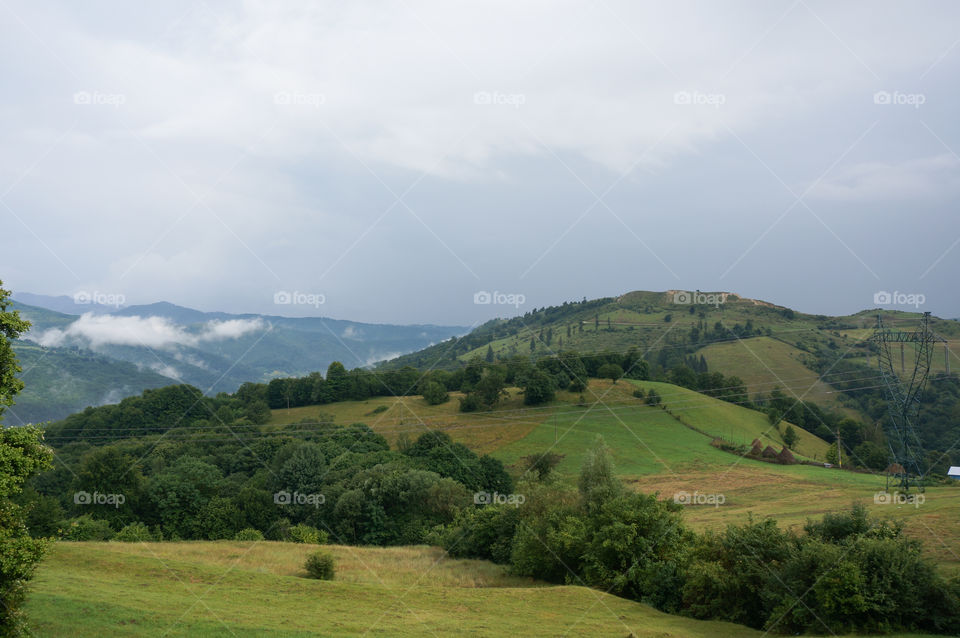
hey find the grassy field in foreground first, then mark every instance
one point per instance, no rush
(255, 589)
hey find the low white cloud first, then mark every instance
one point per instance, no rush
(383, 356)
(230, 329)
(165, 370)
(96, 331)
(351, 332)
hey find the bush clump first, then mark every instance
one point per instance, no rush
(302, 533)
(248, 534)
(134, 533)
(435, 394)
(320, 565)
(87, 528)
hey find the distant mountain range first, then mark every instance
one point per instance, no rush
(82, 354)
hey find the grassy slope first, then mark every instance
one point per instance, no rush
(764, 363)
(480, 431)
(655, 451)
(637, 319)
(255, 589)
(237, 588)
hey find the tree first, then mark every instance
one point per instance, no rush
(789, 436)
(538, 387)
(490, 388)
(435, 394)
(337, 380)
(22, 454)
(543, 464)
(832, 455)
(610, 371)
(872, 455)
(597, 481)
(11, 327)
(489, 357)
(653, 397)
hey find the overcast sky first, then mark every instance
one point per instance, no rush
(392, 159)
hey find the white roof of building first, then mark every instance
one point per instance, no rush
(953, 471)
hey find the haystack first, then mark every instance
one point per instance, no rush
(786, 456)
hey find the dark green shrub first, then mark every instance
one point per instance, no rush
(434, 393)
(653, 397)
(87, 528)
(480, 532)
(320, 565)
(469, 403)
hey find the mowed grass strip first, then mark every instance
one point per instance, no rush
(192, 589)
(482, 432)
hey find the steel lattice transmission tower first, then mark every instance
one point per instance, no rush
(903, 396)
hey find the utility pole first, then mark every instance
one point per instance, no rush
(839, 453)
